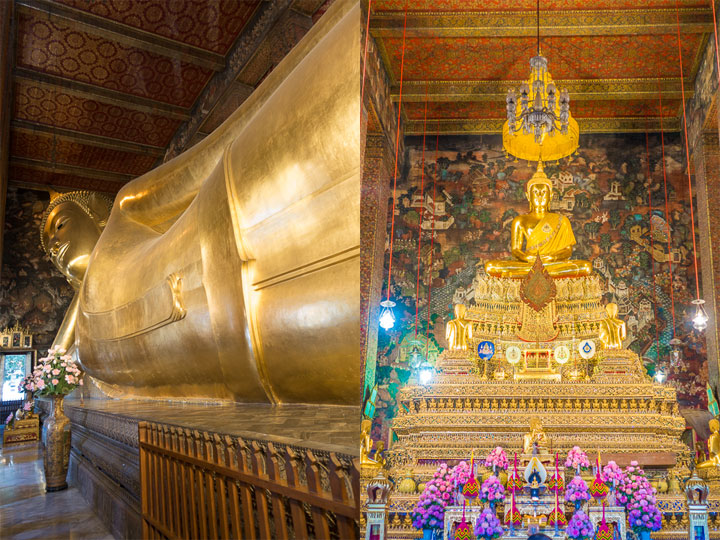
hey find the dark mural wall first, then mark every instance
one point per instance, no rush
(604, 192)
(32, 291)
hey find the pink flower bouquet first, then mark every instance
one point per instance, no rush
(460, 475)
(492, 490)
(638, 497)
(487, 526)
(57, 374)
(430, 509)
(577, 491)
(497, 459)
(580, 527)
(577, 459)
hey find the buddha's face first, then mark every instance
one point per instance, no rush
(539, 196)
(70, 236)
(612, 310)
(460, 311)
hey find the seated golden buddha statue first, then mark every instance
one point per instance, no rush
(540, 233)
(612, 329)
(713, 447)
(536, 436)
(232, 271)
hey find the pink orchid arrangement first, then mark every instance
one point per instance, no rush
(612, 472)
(492, 490)
(577, 490)
(638, 497)
(577, 459)
(430, 509)
(460, 475)
(20, 414)
(487, 526)
(26, 385)
(56, 374)
(580, 527)
(497, 459)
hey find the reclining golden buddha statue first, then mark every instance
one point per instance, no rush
(232, 271)
(540, 233)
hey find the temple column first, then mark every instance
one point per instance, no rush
(377, 169)
(706, 162)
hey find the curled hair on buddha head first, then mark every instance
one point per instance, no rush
(96, 205)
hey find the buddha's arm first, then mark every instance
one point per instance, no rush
(65, 337)
(516, 241)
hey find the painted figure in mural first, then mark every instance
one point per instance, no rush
(713, 447)
(69, 230)
(540, 233)
(459, 330)
(535, 437)
(612, 329)
(225, 274)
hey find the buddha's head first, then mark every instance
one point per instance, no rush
(70, 228)
(460, 311)
(714, 425)
(539, 190)
(535, 424)
(611, 309)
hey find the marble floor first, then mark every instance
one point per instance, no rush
(27, 512)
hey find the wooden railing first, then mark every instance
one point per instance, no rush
(205, 485)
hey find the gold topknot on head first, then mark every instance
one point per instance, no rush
(539, 178)
(96, 205)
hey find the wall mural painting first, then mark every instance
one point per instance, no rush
(32, 291)
(603, 190)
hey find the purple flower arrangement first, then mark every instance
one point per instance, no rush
(460, 475)
(580, 527)
(488, 526)
(638, 497)
(497, 459)
(492, 490)
(430, 509)
(577, 459)
(577, 491)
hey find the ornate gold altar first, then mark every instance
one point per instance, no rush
(21, 431)
(539, 348)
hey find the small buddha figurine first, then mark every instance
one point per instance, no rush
(540, 234)
(459, 330)
(612, 329)
(69, 230)
(535, 437)
(366, 444)
(713, 447)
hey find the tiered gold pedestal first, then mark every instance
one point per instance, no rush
(26, 430)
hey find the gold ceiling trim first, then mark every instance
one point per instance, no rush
(580, 89)
(484, 126)
(560, 23)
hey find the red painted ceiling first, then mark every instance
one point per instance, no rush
(464, 60)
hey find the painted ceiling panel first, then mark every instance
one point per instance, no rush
(60, 109)
(51, 46)
(526, 5)
(210, 25)
(577, 57)
(42, 147)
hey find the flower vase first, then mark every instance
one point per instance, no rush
(578, 505)
(432, 534)
(56, 446)
(644, 535)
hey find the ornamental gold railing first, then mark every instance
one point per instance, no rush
(196, 484)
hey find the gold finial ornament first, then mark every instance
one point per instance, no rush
(540, 233)
(459, 330)
(612, 329)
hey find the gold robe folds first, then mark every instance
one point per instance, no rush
(552, 234)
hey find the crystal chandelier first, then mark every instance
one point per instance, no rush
(539, 125)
